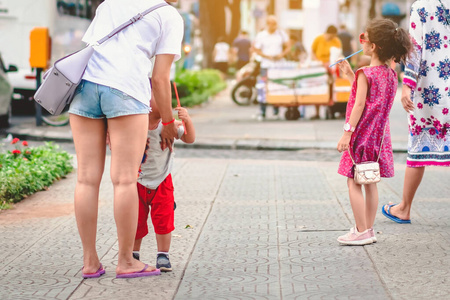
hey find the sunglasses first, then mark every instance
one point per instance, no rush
(362, 40)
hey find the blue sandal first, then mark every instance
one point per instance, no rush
(388, 215)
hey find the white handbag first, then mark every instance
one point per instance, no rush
(60, 81)
(368, 172)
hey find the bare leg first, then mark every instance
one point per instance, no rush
(371, 203)
(413, 177)
(358, 204)
(89, 137)
(128, 137)
(163, 242)
(317, 111)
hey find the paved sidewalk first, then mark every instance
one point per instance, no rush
(222, 124)
(260, 230)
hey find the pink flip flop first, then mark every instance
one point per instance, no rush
(140, 273)
(97, 274)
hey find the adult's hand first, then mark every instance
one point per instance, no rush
(163, 97)
(408, 105)
(168, 133)
(278, 57)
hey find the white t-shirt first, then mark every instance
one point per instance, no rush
(222, 51)
(270, 44)
(156, 164)
(123, 62)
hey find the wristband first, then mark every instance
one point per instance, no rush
(165, 124)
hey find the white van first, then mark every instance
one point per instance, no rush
(67, 21)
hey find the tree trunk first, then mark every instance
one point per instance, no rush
(372, 10)
(212, 26)
(271, 7)
(235, 8)
(94, 5)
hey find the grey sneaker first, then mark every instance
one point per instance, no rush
(163, 263)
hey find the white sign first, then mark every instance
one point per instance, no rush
(314, 4)
(4, 8)
(292, 19)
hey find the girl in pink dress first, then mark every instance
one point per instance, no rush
(367, 115)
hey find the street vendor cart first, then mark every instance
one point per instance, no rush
(292, 85)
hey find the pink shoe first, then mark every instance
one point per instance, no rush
(372, 234)
(355, 238)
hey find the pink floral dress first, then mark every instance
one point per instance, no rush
(366, 140)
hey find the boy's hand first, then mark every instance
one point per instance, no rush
(182, 113)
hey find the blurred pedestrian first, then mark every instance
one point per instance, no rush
(297, 51)
(114, 94)
(155, 187)
(366, 135)
(272, 44)
(241, 47)
(221, 55)
(347, 41)
(426, 97)
(320, 50)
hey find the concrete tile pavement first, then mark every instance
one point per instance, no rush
(259, 230)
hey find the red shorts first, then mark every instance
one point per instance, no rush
(161, 202)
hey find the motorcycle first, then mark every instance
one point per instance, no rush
(244, 92)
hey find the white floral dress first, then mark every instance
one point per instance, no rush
(427, 72)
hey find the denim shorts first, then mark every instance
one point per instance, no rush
(97, 101)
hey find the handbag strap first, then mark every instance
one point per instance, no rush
(381, 145)
(134, 19)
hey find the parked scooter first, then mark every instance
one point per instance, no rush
(244, 92)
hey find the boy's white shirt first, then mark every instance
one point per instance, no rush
(157, 163)
(123, 62)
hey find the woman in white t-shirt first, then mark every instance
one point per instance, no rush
(221, 55)
(114, 96)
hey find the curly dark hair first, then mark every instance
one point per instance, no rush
(392, 42)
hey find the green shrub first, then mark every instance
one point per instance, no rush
(195, 87)
(26, 170)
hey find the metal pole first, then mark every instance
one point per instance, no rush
(36, 105)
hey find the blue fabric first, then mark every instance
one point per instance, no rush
(97, 101)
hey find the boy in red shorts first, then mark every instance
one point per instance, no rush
(155, 186)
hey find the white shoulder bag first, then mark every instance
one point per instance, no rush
(60, 81)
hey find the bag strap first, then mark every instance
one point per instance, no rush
(134, 19)
(379, 154)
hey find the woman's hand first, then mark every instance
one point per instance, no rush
(168, 134)
(408, 105)
(344, 142)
